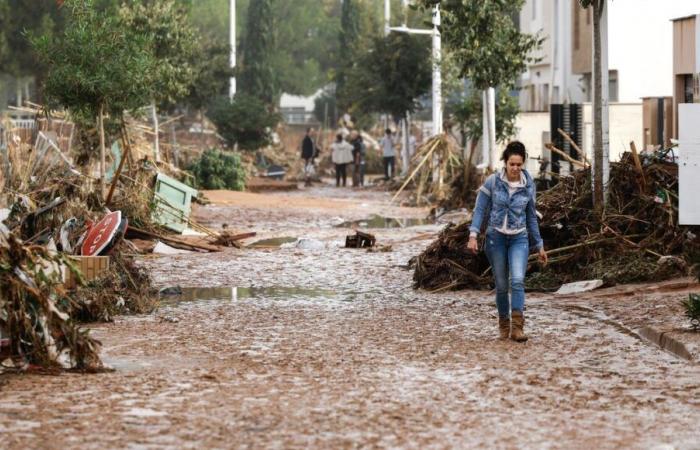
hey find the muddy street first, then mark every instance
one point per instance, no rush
(298, 343)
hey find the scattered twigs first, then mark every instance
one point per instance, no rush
(573, 161)
(580, 152)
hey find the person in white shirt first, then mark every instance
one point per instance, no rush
(341, 155)
(389, 154)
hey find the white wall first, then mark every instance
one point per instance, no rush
(530, 127)
(640, 45)
(626, 125)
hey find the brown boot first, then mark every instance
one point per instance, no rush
(504, 327)
(517, 333)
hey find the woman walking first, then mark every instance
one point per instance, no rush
(506, 205)
(341, 155)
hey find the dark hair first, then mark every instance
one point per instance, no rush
(338, 137)
(514, 148)
(308, 130)
(387, 131)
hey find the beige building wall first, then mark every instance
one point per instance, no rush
(625, 126)
(581, 39)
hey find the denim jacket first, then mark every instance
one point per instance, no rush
(520, 207)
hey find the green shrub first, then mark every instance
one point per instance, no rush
(692, 310)
(245, 121)
(217, 169)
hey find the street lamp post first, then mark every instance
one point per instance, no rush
(232, 40)
(437, 76)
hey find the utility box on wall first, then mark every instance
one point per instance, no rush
(688, 164)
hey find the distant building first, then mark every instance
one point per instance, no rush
(299, 110)
(639, 57)
(686, 62)
(552, 79)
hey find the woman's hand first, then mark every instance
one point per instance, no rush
(472, 246)
(543, 257)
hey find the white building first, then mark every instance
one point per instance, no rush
(297, 109)
(550, 80)
(640, 43)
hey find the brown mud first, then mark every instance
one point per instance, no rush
(328, 347)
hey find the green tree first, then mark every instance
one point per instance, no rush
(257, 76)
(96, 66)
(468, 114)
(348, 38)
(485, 41)
(172, 40)
(245, 121)
(305, 54)
(219, 170)
(393, 75)
(17, 20)
(212, 72)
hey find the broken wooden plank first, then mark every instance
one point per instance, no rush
(175, 242)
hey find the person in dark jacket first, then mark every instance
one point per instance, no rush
(358, 157)
(308, 152)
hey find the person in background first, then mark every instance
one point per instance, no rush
(389, 154)
(308, 152)
(358, 158)
(341, 155)
(506, 205)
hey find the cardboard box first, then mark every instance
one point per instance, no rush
(90, 266)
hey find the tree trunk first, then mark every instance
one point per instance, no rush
(598, 200)
(100, 124)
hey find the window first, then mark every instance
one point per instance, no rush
(613, 95)
(688, 88)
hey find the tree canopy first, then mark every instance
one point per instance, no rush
(394, 72)
(96, 62)
(172, 40)
(485, 41)
(257, 75)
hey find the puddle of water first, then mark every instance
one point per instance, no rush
(189, 294)
(376, 221)
(273, 242)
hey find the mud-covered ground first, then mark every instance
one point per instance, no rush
(327, 347)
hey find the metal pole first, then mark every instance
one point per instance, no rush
(387, 17)
(437, 76)
(491, 95)
(485, 154)
(232, 40)
(606, 96)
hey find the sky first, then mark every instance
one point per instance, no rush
(640, 36)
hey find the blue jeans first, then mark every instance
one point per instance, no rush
(508, 253)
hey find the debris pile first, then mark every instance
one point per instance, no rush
(36, 311)
(435, 165)
(637, 239)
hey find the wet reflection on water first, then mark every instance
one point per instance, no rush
(376, 221)
(189, 294)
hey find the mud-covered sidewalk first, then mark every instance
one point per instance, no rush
(312, 345)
